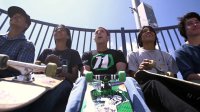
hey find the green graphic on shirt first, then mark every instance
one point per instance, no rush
(102, 62)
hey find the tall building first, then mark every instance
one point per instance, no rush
(146, 15)
(135, 4)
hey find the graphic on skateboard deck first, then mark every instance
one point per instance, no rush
(106, 93)
(18, 93)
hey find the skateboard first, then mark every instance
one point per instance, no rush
(152, 64)
(16, 92)
(106, 93)
(186, 90)
(26, 69)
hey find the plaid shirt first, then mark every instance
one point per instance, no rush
(18, 49)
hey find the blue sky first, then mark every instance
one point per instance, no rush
(112, 14)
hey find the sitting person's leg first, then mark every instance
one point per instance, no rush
(188, 94)
(54, 100)
(64, 93)
(136, 95)
(76, 96)
(160, 98)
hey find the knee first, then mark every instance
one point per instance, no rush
(154, 84)
(80, 81)
(154, 81)
(131, 80)
(128, 79)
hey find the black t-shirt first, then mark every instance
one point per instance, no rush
(68, 57)
(104, 62)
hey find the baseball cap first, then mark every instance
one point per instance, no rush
(14, 9)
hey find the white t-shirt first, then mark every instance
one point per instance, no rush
(164, 61)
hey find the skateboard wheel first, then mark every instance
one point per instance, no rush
(89, 76)
(169, 74)
(51, 69)
(3, 61)
(121, 76)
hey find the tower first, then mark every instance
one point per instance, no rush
(135, 4)
(147, 16)
(144, 14)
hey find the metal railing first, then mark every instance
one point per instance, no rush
(41, 34)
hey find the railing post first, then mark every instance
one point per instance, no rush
(3, 22)
(123, 41)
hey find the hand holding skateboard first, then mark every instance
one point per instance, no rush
(147, 64)
(150, 64)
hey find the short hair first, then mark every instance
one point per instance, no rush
(107, 32)
(69, 41)
(181, 24)
(139, 39)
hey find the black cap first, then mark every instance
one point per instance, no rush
(14, 9)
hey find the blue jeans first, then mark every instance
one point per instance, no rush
(78, 92)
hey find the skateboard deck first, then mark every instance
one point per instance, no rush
(186, 90)
(16, 92)
(113, 98)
